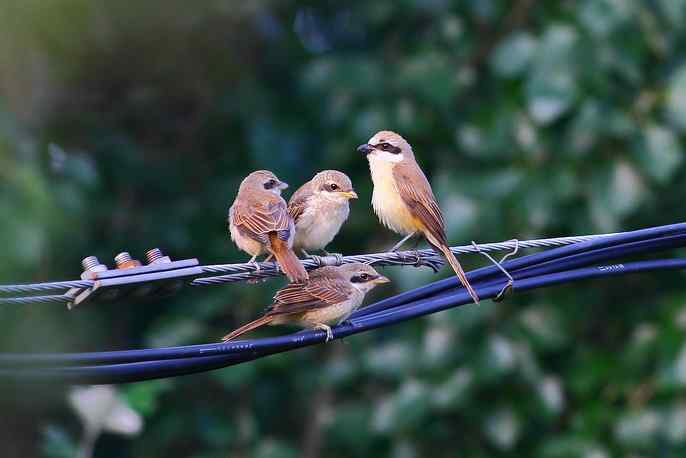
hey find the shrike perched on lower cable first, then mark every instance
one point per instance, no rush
(328, 298)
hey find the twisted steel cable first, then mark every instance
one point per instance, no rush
(547, 268)
(254, 271)
(175, 361)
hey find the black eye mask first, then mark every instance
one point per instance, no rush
(388, 147)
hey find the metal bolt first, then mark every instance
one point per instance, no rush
(155, 256)
(91, 267)
(125, 261)
(122, 257)
(90, 262)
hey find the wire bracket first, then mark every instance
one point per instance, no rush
(140, 281)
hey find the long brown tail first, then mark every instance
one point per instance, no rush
(288, 261)
(455, 264)
(248, 327)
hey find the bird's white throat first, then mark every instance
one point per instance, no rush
(385, 156)
(386, 200)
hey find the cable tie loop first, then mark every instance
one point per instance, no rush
(338, 257)
(509, 286)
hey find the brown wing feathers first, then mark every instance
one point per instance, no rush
(268, 222)
(415, 191)
(322, 290)
(298, 201)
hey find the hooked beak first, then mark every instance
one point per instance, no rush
(365, 148)
(282, 185)
(380, 280)
(349, 194)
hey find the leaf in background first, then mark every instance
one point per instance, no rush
(453, 391)
(638, 428)
(676, 98)
(551, 87)
(271, 448)
(512, 57)
(57, 443)
(144, 397)
(659, 152)
(503, 428)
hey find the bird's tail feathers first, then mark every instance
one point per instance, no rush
(289, 262)
(455, 264)
(248, 327)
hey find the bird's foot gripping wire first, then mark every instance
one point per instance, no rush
(329, 332)
(258, 269)
(416, 259)
(329, 259)
(338, 256)
(510, 281)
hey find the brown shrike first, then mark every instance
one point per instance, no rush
(259, 222)
(319, 209)
(403, 199)
(328, 298)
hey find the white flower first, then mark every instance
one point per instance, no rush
(99, 408)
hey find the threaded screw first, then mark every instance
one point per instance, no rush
(153, 255)
(125, 261)
(122, 257)
(91, 267)
(90, 262)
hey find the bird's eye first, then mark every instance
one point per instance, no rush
(270, 184)
(361, 278)
(333, 186)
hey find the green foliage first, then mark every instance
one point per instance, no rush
(127, 125)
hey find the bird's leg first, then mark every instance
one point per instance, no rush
(329, 333)
(305, 253)
(268, 258)
(400, 243)
(255, 263)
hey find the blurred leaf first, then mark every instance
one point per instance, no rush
(659, 153)
(551, 87)
(274, 449)
(502, 428)
(57, 443)
(676, 98)
(514, 54)
(144, 396)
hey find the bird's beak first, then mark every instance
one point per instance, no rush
(349, 194)
(380, 280)
(283, 185)
(365, 148)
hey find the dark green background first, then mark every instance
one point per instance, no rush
(127, 125)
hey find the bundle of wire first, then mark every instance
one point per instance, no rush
(585, 260)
